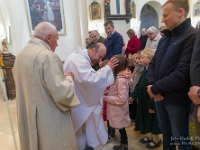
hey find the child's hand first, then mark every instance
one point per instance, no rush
(100, 63)
(124, 48)
(106, 92)
(151, 111)
(130, 100)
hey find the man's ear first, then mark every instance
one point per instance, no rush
(93, 50)
(48, 37)
(181, 12)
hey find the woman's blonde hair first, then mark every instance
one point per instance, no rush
(148, 52)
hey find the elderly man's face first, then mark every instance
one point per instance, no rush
(151, 35)
(95, 36)
(170, 16)
(52, 41)
(87, 41)
(143, 32)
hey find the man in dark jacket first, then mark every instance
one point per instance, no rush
(96, 37)
(114, 40)
(143, 38)
(194, 92)
(169, 75)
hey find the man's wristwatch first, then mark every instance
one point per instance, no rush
(198, 92)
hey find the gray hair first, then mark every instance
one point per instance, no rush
(152, 29)
(109, 22)
(95, 31)
(43, 29)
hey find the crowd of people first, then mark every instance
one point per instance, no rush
(153, 81)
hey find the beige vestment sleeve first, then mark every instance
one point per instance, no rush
(60, 88)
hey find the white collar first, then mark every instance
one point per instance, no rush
(83, 52)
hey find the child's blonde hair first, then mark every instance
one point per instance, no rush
(131, 60)
(148, 52)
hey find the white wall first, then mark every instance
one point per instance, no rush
(120, 25)
(14, 14)
(77, 21)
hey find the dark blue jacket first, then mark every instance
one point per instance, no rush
(113, 45)
(169, 70)
(195, 62)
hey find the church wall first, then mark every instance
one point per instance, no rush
(120, 25)
(14, 14)
(77, 22)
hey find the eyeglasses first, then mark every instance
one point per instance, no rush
(150, 33)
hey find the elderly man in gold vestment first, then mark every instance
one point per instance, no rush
(45, 95)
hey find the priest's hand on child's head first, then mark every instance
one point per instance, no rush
(113, 62)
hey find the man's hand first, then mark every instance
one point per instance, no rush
(193, 94)
(113, 62)
(100, 63)
(69, 74)
(157, 97)
(149, 91)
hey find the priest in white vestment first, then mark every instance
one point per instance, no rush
(89, 87)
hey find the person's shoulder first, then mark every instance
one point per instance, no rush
(190, 30)
(117, 34)
(46, 52)
(77, 58)
(135, 38)
(123, 80)
(48, 55)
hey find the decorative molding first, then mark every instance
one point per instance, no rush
(125, 17)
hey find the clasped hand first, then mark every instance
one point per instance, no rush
(157, 97)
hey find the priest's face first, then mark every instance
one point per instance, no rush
(97, 55)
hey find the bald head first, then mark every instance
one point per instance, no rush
(48, 33)
(143, 31)
(101, 47)
(96, 52)
(43, 29)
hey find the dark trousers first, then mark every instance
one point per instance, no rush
(174, 123)
(111, 131)
(123, 136)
